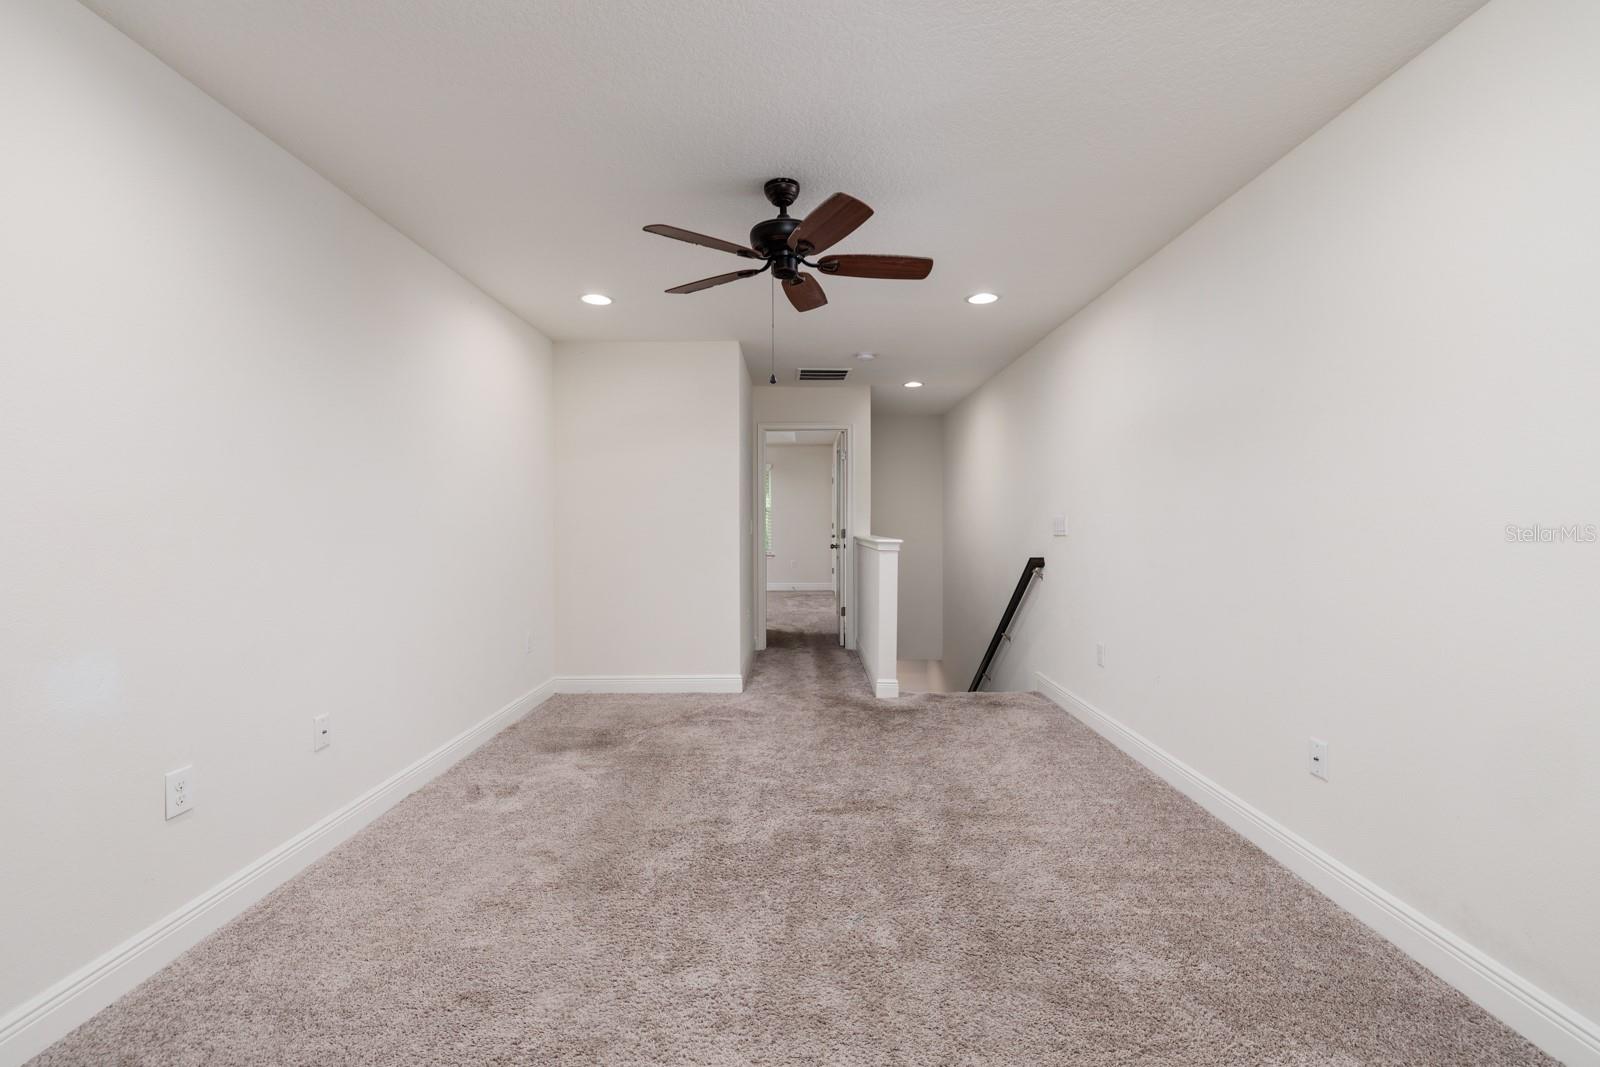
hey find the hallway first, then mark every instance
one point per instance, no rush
(795, 874)
(801, 619)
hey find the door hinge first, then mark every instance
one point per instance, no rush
(841, 610)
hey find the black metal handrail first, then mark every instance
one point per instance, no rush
(1035, 566)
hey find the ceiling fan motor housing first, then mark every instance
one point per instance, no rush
(771, 237)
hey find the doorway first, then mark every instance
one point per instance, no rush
(803, 564)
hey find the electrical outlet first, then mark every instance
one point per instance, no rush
(1058, 526)
(1319, 758)
(1099, 655)
(321, 733)
(180, 791)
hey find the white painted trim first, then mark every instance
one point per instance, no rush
(1555, 1027)
(879, 544)
(42, 1020)
(882, 688)
(799, 587)
(650, 683)
(759, 615)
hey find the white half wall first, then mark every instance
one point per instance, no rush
(802, 517)
(648, 531)
(877, 599)
(1296, 448)
(908, 503)
(261, 458)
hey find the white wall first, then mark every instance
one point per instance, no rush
(908, 503)
(802, 516)
(648, 447)
(1289, 445)
(836, 405)
(261, 458)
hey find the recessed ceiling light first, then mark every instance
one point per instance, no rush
(982, 298)
(913, 385)
(599, 300)
(866, 355)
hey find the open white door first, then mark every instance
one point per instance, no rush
(840, 542)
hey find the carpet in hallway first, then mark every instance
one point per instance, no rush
(798, 874)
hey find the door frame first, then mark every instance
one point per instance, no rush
(846, 553)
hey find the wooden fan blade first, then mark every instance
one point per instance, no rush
(833, 220)
(804, 292)
(908, 268)
(677, 233)
(706, 283)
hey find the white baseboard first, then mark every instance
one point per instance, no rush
(882, 688)
(799, 587)
(46, 1018)
(1554, 1026)
(650, 683)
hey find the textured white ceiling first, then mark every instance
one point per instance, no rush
(1036, 148)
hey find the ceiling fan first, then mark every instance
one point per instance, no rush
(786, 242)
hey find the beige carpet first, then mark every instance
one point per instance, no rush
(797, 875)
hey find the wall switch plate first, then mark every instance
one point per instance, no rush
(1099, 655)
(180, 791)
(1058, 526)
(527, 643)
(321, 733)
(1319, 758)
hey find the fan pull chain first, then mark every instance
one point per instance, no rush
(772, 331)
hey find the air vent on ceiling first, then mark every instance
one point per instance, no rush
(821, 374)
